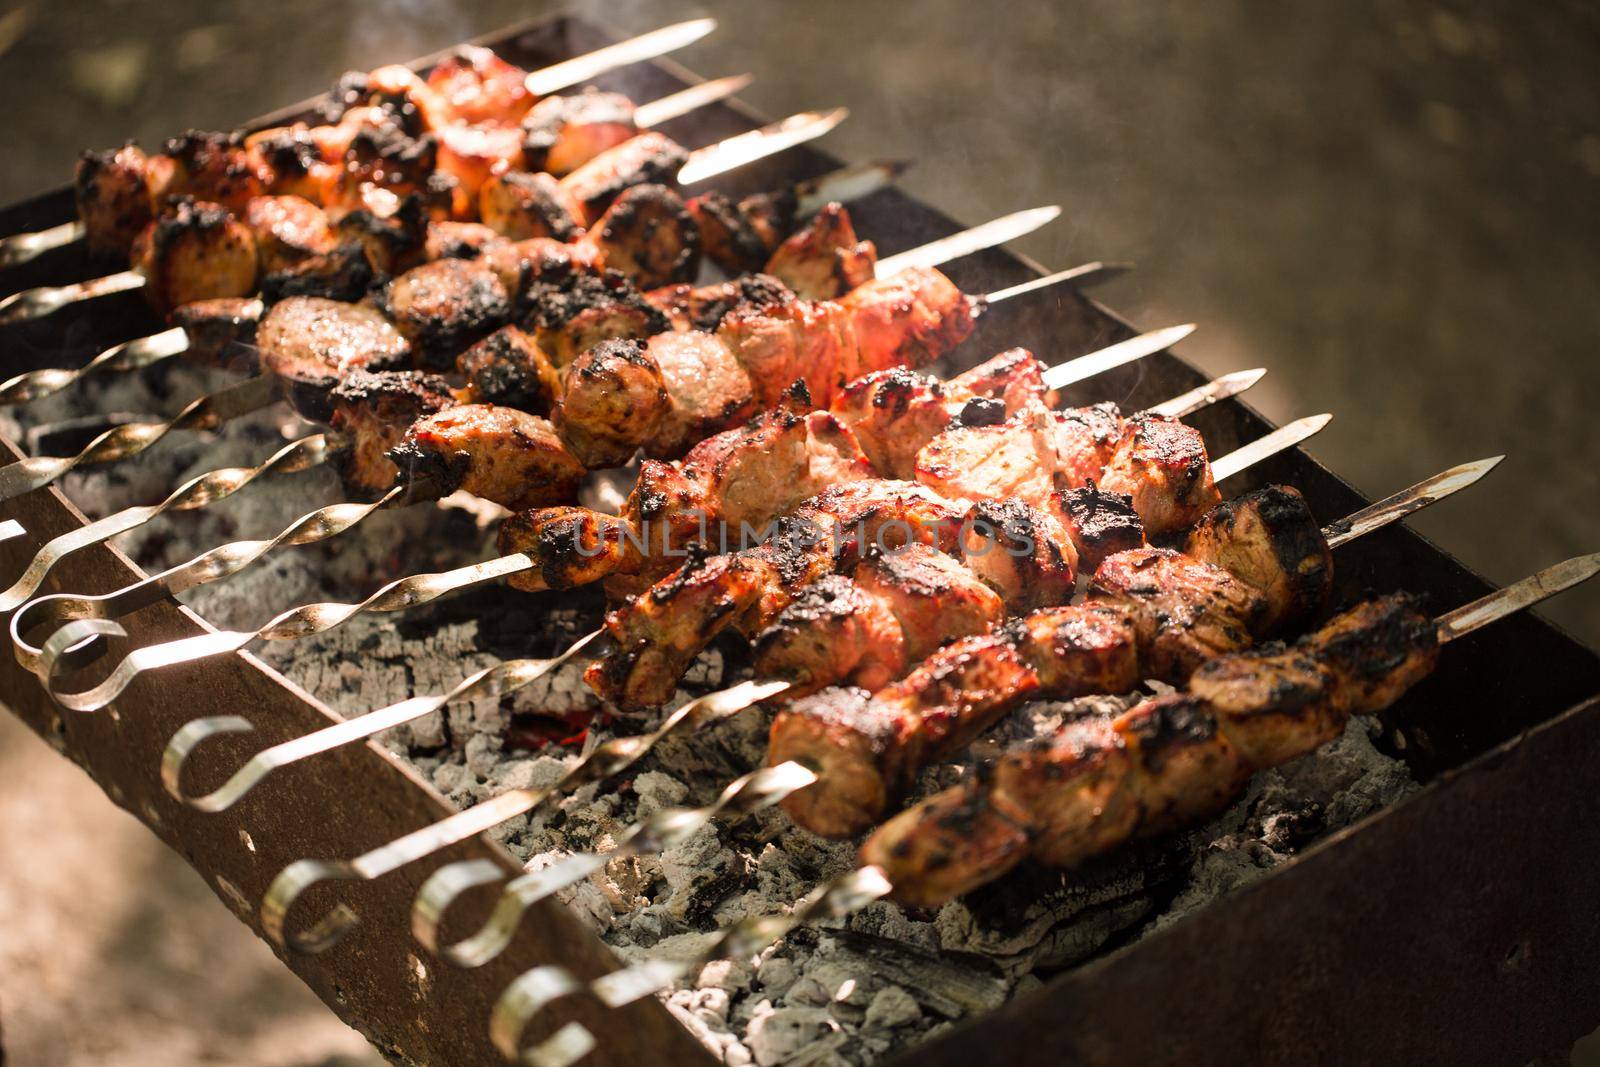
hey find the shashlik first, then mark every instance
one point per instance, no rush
(1164, 763)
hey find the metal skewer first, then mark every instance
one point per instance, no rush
(536, 989)
(608, 759)
(401, 594)
(22, 247)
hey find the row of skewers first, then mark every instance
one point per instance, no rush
(476, 291)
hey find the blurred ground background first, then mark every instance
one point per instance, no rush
(1393, 205)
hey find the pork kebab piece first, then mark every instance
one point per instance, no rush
(1251, 567)
(380, 129)
(621, 167)
(1025, 552)
(1096, 785)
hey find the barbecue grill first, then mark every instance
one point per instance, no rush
(1455, 926)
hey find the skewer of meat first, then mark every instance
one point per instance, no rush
(1156, 766)
(654, 231)
(429, 311)
(1250, 568)
(398, 399)
(186, 273)
(472, 87)
(875, 511)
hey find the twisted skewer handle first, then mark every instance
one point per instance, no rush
(606, 760)
(41, 301)
(198, 492)
(534, 990)
(121, 442)
(666, 828)
(129, 356)
(221, 562)
(22, 247)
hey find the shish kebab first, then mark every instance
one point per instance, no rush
(1164, 763)
(308, 343)
(172, 279)
(837, 759)
(606, 760)
(472, 86)
(1011, 372)
(462, 462)
(509, 367)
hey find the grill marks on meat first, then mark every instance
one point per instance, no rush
(370, 413)
(569, 546)
(199, 251)
(444, 306)
(1164, 762)
(1270, 539)
(1099, 523)
(509, 368)
(519, 204)
(703, 307)
(311, 344)
(1161, 464)
(658, 633)
(740, 236)
(573, 311)
(1186, 611)
(946, 702)
(501, 454)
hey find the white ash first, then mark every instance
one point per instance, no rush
(851, 992)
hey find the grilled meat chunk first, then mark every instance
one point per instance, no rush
(648, 234)
(508, 368)
(570, 546)
(519, 204)
(113, 198)
(648, 158)
(561, 133)
(1100, 524)
(1162, 465)
(221, 332)
(929, 599)
(1377, 650)
(478, 86)
(1021, 552)
(1276, 703)
(708, 390)
(948, 845)
(823, 260)
(1270, 539)
(1013, 460)
(444, 306)
(459, 240)
(739, 237)
(370, 414)
(288, 230)
(501, 454)
(572, 311)
(615, 393)
(1186, 611)
(198, 251)
(1086, 439)
(311, 344)
(703, 307)
(209, 166)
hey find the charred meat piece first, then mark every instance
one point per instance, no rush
(573, 311)
(311, 345)
(371, 412)
(703, 307)
(1022, 552)
(507, 368)
(614, 394)
(708, 390)
(1377, 650)
(1099, 523)
(343, 274)
(1276, 704)
(1187, 612)
(648, 158)
(478, 86)
(909, 603)
(221, 332)
(444, 306)
(293, 157)
(823, 259)
(288, 230)
(561, 133)
(849, 740)
(1270, 540)
(649, 236)
(519, 204)
(390, 242)
(113, 198)
(460, 240)
(1162, 464)
(501, 454)
(209, 166)
(740, 237)
(1086, 439)
(946, 846)
(199, 251)
(1013, 460)
(570, 546)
